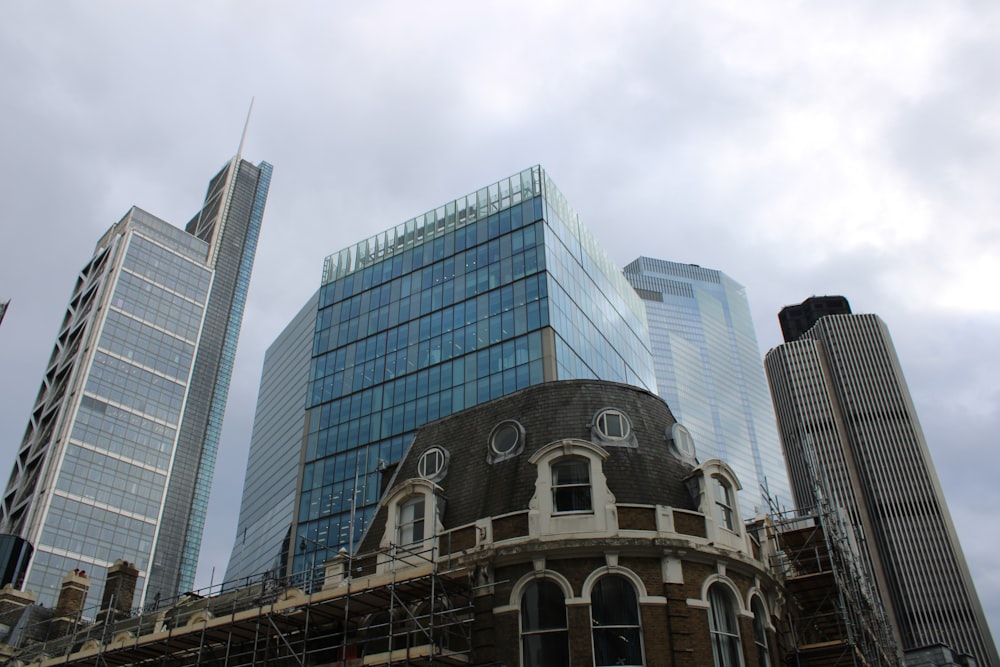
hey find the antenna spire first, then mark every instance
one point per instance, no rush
(246, 125)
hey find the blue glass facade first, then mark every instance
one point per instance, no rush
(709, 371)
(488, 294)
(272, 476)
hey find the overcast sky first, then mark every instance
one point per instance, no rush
(802, 148)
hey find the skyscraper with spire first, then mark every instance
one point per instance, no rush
(119, 453)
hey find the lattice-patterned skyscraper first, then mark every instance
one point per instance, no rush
(119, 453)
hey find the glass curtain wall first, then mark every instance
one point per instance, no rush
(481, 297)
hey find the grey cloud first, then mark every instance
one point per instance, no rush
(377, 112)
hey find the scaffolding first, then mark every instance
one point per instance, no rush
(393, 607)
(835, 616)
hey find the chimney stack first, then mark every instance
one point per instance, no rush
(119, 591)
(12, 598)
(72, 599)
(73, 594)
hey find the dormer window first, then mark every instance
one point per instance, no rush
(713, 486)
(571, 491)
(414, 509)
(571, 485)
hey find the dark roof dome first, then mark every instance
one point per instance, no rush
(631, 424)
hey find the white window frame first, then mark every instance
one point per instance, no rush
(638, 612)
(442, 457)
(565, 461)
(601, 431)
(410, 524)
(708, 484)
(394, 501)
(522, 633)
(495, 455)
(726, 649)
(725, 502)
(760, 625)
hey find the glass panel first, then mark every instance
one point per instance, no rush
(411, 521)
(574, 471)
(615, 618)
(505, 439)
(722, 625)
(543, 626)
(613, 602)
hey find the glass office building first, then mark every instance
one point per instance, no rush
(485, 295)
(119, 452)
(709, 371)
(267, 507)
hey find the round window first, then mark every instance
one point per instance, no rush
(432, 463)
(682, 440)
(613, 425)
(507, 437)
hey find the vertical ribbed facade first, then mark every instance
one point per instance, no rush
(709, 371)
(847, 420)
(120, 448)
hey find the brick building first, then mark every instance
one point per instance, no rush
(594, 535)
(566, 524)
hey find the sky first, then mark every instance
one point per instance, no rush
(802, 148)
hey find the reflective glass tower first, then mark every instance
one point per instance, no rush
(119, 453)
(267, 508)
(485, 295)
(709, 371)
(847, 422)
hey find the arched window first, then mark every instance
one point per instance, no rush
(760, 631)
(723, 627)
(724, 503)
(410, 521)
(614, 613)
(544, 638)
(571, 485)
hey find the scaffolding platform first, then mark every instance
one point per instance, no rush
(404, 614)
(833, 617)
